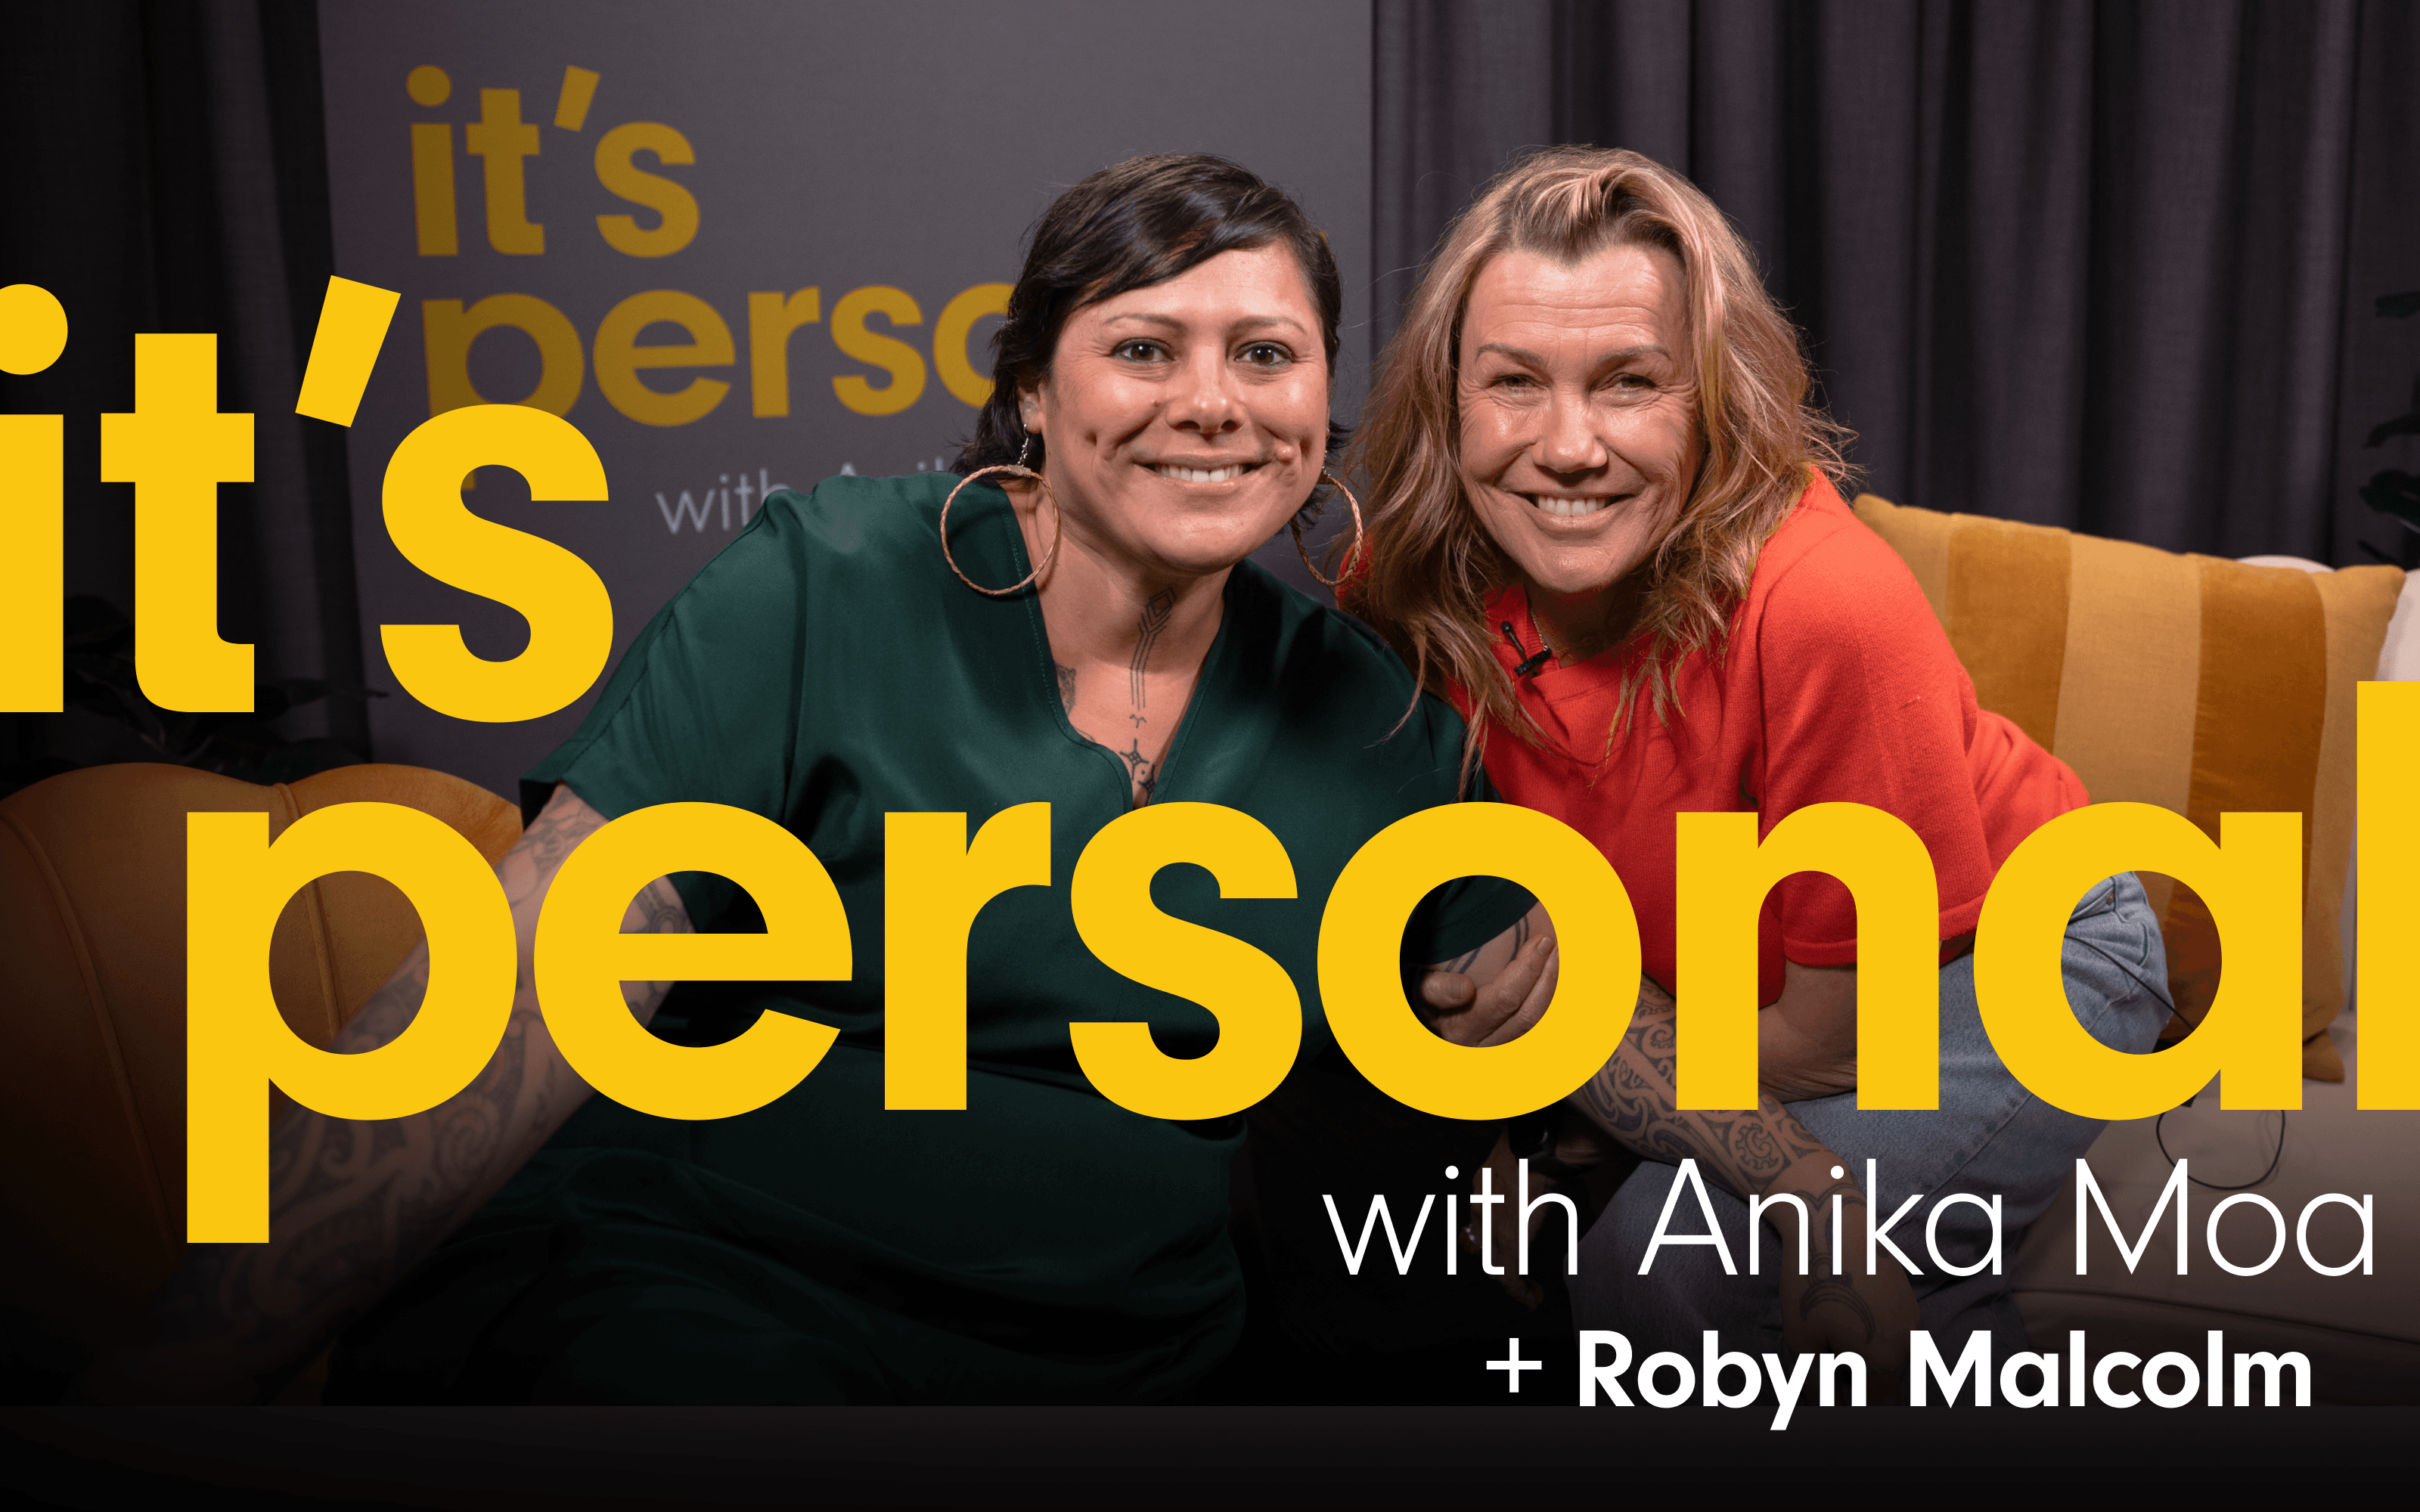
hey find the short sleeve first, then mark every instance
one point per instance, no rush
(1864, 701)
(1467, 912)
(703, 706)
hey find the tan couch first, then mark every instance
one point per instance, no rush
(2208, 685)
(92, 890)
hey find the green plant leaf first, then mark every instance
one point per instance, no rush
(103, 680)
(2406, 425)
(2395, 493)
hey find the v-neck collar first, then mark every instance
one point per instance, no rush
(1044, 679)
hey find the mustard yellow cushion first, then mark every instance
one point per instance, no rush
(2198, 683)
(92, 1001)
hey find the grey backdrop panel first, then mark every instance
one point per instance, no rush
(837, 146)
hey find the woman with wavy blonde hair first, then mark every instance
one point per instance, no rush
(1429, 558)
(1603, 522)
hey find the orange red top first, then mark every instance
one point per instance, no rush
(1836, 685)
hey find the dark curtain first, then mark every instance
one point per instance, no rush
(166, 171)
(2104, 265)
(2111, 266)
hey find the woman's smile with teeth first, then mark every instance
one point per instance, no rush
(1568, 505)
(1185, 474)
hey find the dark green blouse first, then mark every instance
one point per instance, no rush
(1044, 1244)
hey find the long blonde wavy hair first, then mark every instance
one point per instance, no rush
(1428, 564)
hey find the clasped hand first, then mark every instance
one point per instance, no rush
(1805, 1041)
(1472, 1013)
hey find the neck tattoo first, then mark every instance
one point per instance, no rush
(1155, 619)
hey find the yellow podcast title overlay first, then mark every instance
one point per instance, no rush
(176, 448)
(238, 880)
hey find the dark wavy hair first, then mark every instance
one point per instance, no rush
(1142, 222)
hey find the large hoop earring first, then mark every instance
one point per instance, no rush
(1352, 557)
(1058, 524)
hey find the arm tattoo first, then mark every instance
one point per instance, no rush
(1754, 1154)
(1491, 959)
(355, 1204)
(1463, 962)
(1633, 1100)
(1826, 1290)
(1066, 686)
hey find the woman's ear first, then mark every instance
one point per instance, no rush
(1031, 412)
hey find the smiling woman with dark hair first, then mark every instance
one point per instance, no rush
(1141, 222)
(1074, 621)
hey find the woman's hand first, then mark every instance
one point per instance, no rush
(1576, 1151)
(1470, 1012)
(1851, 1313)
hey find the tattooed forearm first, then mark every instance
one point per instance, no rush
(1633, 1099)
(1488, 960)
(1831, 1303)
(356, 1204)
(657, 910)
(1463, 962)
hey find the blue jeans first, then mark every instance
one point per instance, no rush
(1989, 1136)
